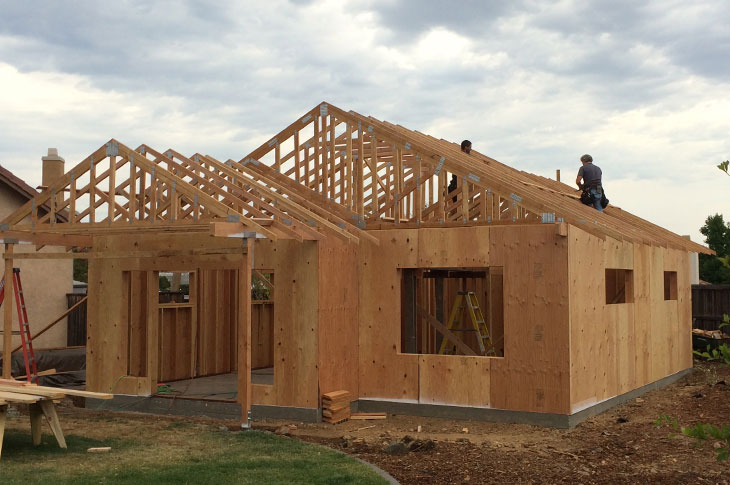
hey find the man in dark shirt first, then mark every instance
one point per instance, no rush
(454, 184)
(591, 180)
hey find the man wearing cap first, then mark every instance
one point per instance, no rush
(591, 181)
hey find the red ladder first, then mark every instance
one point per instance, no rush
(25, 339)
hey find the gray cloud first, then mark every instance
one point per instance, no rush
(533, 83)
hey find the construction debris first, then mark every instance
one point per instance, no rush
(713, 334)
(368, 416)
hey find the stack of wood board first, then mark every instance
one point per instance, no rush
(336, 406)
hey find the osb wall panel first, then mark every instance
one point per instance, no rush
(385, 372)
(338, 317)
(295, 321)
(616, 348)
(454, 247)
(454, 380)
(107, 325)
(534, 374)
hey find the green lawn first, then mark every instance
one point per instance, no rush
(184, 453)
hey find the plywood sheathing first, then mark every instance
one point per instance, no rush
(384, 371)
(337, 346)
(533, 375)
(620, 347)
(295, 268)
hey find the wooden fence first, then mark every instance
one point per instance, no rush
(76, 323)
(709, 304)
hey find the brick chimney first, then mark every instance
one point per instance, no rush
(53, 167)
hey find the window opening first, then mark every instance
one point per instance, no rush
(670, 285)
(452, 311)
(619, 286)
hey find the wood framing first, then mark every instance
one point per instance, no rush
(369, 248)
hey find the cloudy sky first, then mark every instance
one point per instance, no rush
(642, 86)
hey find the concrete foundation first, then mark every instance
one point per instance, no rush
(229, 409)
(505, 416)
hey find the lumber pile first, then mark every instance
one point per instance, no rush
(23, 392)
(336, 406)
(713, 334)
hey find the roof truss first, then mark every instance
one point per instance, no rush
(330, 173)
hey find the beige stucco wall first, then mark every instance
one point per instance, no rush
(45, 283)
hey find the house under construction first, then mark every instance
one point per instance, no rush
(348, 223)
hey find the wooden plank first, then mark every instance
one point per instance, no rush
(153, 336)
(367, 416)
(444, 331)
(8, 312)
(54, 322)
(19, 397)
(112, 188)
(49, 411)
(243, 322)
(49, 393)
(36, 421)
(48, 239)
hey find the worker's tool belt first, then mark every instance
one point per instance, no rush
(587, 196)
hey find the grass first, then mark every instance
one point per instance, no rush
(172, 452)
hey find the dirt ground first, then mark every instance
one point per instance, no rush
(622, 445)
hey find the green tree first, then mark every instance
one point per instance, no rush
(724, 167)
(81, 270)
(717, 237)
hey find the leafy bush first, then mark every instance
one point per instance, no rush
(721, 353)
(700, 432)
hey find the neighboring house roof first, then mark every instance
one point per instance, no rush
(22, 188)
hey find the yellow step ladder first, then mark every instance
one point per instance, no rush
(468, 300)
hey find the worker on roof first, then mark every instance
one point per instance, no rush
(454, 184)
(589, 181)
(466, 146)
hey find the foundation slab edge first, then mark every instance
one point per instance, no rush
(168, 406)
(596, 409)
(551, 420)
(305, 415)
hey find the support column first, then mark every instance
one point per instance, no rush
(153, 326)
(244, 333)
(8, 313)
